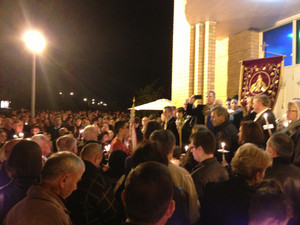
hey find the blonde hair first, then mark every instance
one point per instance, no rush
(250, 159)
(296, 103)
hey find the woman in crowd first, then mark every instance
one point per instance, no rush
(227, 202)
(24, 166)
(293, 129)
(251, 132)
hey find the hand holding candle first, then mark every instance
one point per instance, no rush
(267, 123)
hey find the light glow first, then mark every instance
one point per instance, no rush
(34, 41)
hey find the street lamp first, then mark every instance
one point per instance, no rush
(36, 43)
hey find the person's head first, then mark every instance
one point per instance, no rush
(57, 121)
(150, 127)
(165, 139)
(18, 126)
(35, 129)
(167, 112)
(67, 143)
(198, 128)
(269, 205)
(121, 128)
(218, 102)
(105, 126)
(145, 120)
(61, 173)
(6, 149)
(260, 103)
(148, 151)
(202, 145)
(280, 145)
(93, 153)
(90, 132)
(104, 137)
(78, 122)
(251, 162)
(180, 112)
(251, 132)
(25, 160)
(43, 141)
(7, 123)
(293, 111)
(63, 131)
(3, 136)
(249, 105)
(233, 104)
(210, 97)
(148, 194)
(218, 115)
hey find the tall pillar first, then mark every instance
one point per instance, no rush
(199, 59)
(209, 56)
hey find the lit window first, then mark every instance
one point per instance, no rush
(280, 42)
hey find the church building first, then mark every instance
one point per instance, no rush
(212, 38)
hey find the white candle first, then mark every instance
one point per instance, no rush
(223, 148)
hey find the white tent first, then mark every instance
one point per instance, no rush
(156, 105)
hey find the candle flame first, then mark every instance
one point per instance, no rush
(186, 147)
(223, 144)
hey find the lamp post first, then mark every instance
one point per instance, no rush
(36, 43)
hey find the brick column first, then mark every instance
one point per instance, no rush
(199, 59)
(209, 56)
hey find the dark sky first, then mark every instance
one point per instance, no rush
(103, 49)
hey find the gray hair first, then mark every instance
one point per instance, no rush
(264, 99)
(90, 132)
(66, 143)
(61, 163)
(40, 139)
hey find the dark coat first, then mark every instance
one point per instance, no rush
(293, 130)
(93, 202)
(209, 170)
(226, 132)
(271, 119)
(288, 176)
(12, 193)
(200, 111)
(226, 203)
(171, 125)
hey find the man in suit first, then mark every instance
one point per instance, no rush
(170, 122)
(261, 104)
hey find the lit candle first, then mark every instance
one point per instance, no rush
(21, 135)
(186, 148)
(223, 152)
(267, 123)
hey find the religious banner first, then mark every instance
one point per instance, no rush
(261, 76)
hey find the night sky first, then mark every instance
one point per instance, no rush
(102, 49)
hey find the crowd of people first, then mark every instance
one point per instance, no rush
(197, 164)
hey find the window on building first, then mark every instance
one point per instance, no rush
(298, 42)
(280, 42)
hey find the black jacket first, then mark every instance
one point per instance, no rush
(171, 125)
(226, 203)
(226, 132)
(209, 170)
(288, 175)
(271, 119)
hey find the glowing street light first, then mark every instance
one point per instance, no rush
(71, 93)
(36, 43)
(85, 99)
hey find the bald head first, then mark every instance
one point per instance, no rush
(93, 153)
